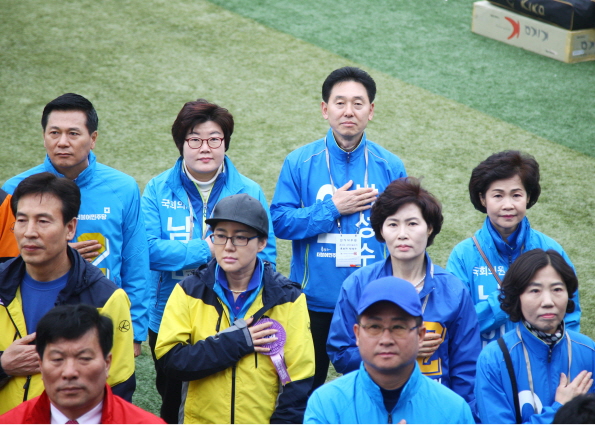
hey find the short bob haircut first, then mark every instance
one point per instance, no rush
(349, 73)
(404, 191)
(501, 166)
(520, 274)
(72, 102)
(48, 184)
(71, 322)
(199, 112)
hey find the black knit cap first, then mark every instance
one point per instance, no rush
(241, 208)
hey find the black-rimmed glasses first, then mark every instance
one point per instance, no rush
(238, 240)
(196, 142)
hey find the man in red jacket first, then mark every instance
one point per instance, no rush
(74, 344)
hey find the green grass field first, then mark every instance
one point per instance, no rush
(446, 98)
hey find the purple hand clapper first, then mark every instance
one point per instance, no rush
(276, 347)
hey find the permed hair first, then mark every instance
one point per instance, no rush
(404, 191)
(521, 272)
(579, 410)
(501, 166)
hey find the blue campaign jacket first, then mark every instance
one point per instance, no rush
(493, 388)
(110, 213)
(303, 212)
(174, 252)
(356, 399)
(448, 311)
(466, 263)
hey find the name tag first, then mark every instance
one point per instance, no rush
(349, 251)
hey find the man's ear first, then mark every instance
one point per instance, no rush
(71, 228)
(356, 330)
(324, 110)
(108, 363)
(371, 114)
(93, 139)
(421, 331)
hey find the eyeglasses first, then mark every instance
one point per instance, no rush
(238, 240)
(196, 142)
(396, 331)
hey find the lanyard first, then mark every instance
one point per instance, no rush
(528, 363)
(191, 218)
(204, 217)
(334, 189)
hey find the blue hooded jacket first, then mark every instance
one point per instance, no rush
(466, 263)
(110, 213)
(448, 310)
(176, 245)
(493, 389)
(303, 212)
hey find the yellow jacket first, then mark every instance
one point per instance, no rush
(86, 284)
(228, 381)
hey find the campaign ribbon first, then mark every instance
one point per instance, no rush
(276, 349)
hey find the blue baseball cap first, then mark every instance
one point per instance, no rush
(394, 290)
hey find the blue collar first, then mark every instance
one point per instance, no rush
(84, 177)
(429, 283)
(336, 151)
(196, 198)
(509, 251)
(222, 289)
(409, 389)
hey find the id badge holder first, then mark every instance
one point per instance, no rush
(349, 250)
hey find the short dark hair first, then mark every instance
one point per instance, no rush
(521, 272)
(501, 166)
(71, 322)
(404, 191)
(47, 183)
(348, 73)
(199, 112)
(579, 410)
(72, 102)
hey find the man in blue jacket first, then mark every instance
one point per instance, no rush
(323, 197)
(110, 232)
(389, 386)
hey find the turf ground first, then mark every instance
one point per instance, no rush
(446, 98)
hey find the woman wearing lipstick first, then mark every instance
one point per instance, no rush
(548, 364)
(407, 218)
(176, 204)
(504, 187)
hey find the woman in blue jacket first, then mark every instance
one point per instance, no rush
(548, 363)
(408, 218)
(504, 187)
(176, 204)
